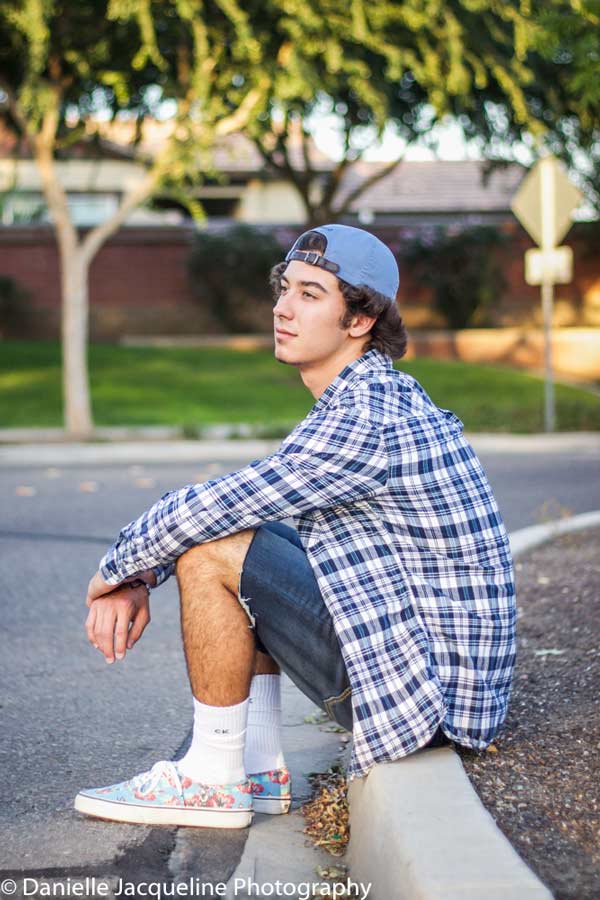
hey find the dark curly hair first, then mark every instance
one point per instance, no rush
(388, 333)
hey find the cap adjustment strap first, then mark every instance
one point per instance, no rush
(313, 259)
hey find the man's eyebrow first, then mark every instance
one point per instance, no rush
(308, 284)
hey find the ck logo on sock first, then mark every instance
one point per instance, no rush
(221, 731)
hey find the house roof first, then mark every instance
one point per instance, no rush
(434, 186)
(412, 187)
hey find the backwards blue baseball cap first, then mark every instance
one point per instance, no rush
(355, 256)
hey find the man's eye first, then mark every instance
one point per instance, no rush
(283, 288)
(306, 294)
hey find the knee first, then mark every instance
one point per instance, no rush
(222, 555)
(198, 557)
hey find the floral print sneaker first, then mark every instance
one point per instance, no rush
(164, 796)
(272, 791)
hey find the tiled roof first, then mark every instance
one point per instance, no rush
(417, 187)
(434, 186)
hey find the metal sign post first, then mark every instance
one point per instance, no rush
(543, 205)
(548, 198)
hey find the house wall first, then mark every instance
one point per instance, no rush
(139, 283)
(275, 202)
(101, 175)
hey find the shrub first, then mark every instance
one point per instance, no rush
(229, 271)
(14, 308)
(462, 270)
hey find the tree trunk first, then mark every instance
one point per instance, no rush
(76, 390)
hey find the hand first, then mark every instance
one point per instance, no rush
(116, 620)
(98, 587)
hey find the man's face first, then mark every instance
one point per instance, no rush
(307, 316)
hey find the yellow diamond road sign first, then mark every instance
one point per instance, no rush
(545, 201)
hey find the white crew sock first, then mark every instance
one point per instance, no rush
(263, 740)
(216, 754)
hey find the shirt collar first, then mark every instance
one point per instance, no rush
(371, 361)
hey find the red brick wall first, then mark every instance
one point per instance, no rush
(139, 283)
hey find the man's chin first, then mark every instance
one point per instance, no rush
(282, 357)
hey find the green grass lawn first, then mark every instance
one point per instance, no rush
(195, 387)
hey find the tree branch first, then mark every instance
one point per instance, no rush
(13, 107)
(95, 238)
(54, 192)
(366, 184)
(240, 118)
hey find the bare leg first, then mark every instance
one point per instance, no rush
(265, 665)
(219, 644)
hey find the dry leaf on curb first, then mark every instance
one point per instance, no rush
(326, 813)
(332, 871)
(316, 718)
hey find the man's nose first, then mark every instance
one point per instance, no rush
(282, 308)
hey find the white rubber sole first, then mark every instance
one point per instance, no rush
(271, 805)
(162, 815)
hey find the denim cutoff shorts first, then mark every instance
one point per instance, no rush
(291, 622)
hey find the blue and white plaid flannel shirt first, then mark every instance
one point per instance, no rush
(407, 545)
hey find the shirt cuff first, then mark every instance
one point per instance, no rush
(163, 572)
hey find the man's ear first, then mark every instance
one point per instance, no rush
(361, 325)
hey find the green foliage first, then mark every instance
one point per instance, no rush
(197, 388)
(229, 270)
(502, 70)
(505, 71)
(561, 92)
(14, 307)
(462, 270)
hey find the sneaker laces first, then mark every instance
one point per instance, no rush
(145, 782)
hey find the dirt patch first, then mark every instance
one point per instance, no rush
(540, 780)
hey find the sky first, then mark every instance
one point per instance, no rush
(452, 145)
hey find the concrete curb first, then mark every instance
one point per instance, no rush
(418, 830)
(527, 538)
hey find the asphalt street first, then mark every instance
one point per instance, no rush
(67, 720)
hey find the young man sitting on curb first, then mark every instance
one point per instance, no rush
(392, 606)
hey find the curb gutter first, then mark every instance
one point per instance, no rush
(418, 830)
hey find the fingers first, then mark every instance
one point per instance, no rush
(90, 627)
(116, 621)
(124, 616)
(104, 631)
(142, 618)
